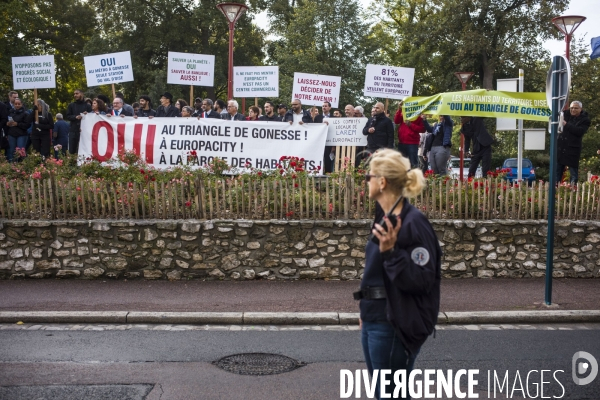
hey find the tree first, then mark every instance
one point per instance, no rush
(326, 37)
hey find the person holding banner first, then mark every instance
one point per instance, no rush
(297, 114)
(575, 124)
(145, 109)
(18, 123)
(439, 147)
(98, 107)
(208, 112)
(40, 135)
(281, 111)
(118, 110)
(166, 109)
(474, 129)
(400, 288)
(74, 111)
(232, 112)
(409, 136)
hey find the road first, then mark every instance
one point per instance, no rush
(175, 362)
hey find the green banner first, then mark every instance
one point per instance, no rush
(480, 103)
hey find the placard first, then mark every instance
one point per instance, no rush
(106, 69)
(167, 142)
(191, 69)
(388, 82)
(256, 82)
(507, 85)
(346, 132)
(34, 72)
(313, 90)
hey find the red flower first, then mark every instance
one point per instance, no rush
(295, 185)
(281, 158)
(318, 167)
(259, 173)
(281, 171)
(294, 176)
(293, 164)
(142, 171)
(188, 203)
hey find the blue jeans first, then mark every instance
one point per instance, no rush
(14, 142)
(384, 350)
(410, 151)
(574, 172)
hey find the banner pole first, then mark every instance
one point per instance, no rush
(256, 101)
(387, 105)
(191, 95)
(243, 106)
(35, 96)
(113, 90)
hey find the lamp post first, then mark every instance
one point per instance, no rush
(567, 25)
(463, 77)
(232, 12)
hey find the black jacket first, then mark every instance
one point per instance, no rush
(74, 109)
(236, 117)
(265, 117)
(44, 124)
(23, 121)
(123, 111)
(383, 137)
(212, 114)
(569, 141)
(146, 113)
(289, 116)
(412, 276)
(3, 116)
(169, 112)
(475, 130)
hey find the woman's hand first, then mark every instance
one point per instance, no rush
(387, 239)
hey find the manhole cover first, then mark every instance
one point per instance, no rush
(257, 364)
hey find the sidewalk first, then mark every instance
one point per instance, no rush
(463, 300)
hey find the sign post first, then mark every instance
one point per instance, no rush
(557, 91)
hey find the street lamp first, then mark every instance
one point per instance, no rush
(232, 12)
(567, 25)
(463, 77)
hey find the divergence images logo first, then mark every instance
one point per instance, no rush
(582, 367)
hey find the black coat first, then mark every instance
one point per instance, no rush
(169, 112)
(23, 121)
(383, 137)
(289, 116)
(475, 130)
(3, 117)
(569, 141)
(412, 277)
(44, 124)
(74, 109)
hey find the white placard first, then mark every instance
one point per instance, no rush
(506, 85)
(255, 81)
(106, 69)
(313, 90)
(34, 72)
(388, 82)
(346, 132)
(535, 139)
(191, 69)
(167, 142)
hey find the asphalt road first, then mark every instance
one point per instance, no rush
(148, 364)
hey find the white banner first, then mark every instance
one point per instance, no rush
(33, 72)
(106, 69)
(346, 132)
(388, 82)
(313, 90)
(167, 142)
(255, 81)
(191, 69)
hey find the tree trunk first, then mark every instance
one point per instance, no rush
(487, 67)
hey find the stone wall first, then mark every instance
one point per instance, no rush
(275, 249)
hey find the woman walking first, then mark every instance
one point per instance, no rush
(400, 289)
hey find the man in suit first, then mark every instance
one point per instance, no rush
(232, 112)
(575, 124)
(207, 110)
(118, 110)
(474, 129)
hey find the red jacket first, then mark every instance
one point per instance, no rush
(408, 133)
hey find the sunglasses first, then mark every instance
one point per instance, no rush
(369, 176)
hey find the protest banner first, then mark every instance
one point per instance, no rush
(107, 69)
(33, 72)
(256, 82)
(191, 69)
(168, 142)
(388, 82)
(313, 90)
(346, 132)
(480, 103)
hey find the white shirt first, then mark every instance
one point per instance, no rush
(298, 117)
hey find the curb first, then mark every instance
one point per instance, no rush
(287, 318)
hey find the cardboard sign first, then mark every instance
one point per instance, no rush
(34, 72)
(191, 69)
(106, 69)
(388, 82)
(256, 82)
(313, 90)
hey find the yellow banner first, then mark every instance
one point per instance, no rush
(480, 103)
